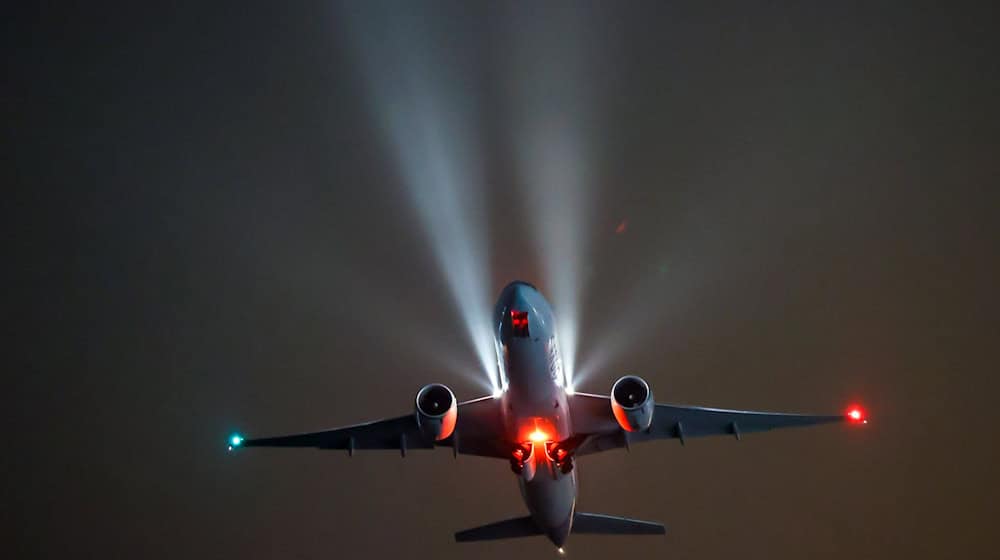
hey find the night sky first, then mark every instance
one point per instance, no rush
(210, 225)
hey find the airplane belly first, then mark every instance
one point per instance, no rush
(534, 398)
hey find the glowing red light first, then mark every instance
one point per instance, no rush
(621, 227)
(538, 436)
(519, 323)
(856, 415)
(519, 319)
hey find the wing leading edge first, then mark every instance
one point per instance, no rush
(594, 421)
(478, 431)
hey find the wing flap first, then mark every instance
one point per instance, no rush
(479, 431)
(592, 416)
(381, 434)
(695, 421)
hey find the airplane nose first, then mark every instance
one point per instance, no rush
(518, 289)
(518, 293)
(521, 309)
(518, 299)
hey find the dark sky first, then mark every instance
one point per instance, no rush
(207, 230)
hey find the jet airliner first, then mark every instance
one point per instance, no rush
(541, 426)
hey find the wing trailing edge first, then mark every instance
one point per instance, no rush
(598, 524)
(506, 529)
(583, 524)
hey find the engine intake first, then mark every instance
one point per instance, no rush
(632, 403)
(437, 411)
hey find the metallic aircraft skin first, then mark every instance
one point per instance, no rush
(536, 399)
(534, 422)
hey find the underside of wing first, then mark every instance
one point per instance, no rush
(681, 422)
(478, 431)
(594, 420)
(392, 433)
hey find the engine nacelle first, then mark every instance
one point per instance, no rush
(632, 403)
(437, 411)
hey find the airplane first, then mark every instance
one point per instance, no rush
(541, 426)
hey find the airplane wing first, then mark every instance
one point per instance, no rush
(596, 429)
(478, 431)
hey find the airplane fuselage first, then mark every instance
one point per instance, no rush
(536, 422)
(534, 403)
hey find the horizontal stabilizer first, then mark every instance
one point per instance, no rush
(506, 529)
(597, 524)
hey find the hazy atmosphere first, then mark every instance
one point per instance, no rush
(276, 219)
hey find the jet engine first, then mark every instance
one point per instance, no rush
(632, 403)
(437, 411)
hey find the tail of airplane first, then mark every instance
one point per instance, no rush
(597, 524)
(506, 529)
(583, 523)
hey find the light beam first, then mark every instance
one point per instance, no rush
(552, 113)
(429, 122)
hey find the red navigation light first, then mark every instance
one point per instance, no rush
(856, 415)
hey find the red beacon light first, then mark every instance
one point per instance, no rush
(519, 323)
(856, 415)
(538, 436)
